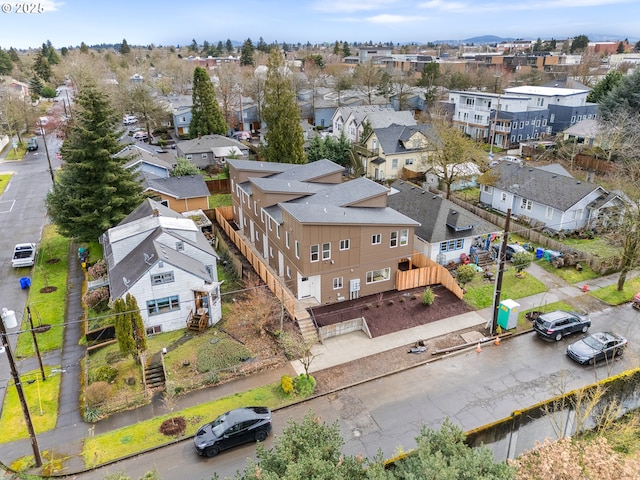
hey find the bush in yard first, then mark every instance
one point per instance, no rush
(223, 354)
(97, 270)
(113, 357)
(97, 299)
(97, 393)
(92, 414)
(105, 373)
(428, 296)
(521, 260)
(286, 383)
(305, 384)
(464, 274)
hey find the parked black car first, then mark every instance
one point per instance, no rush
(557, 324)
(242, 425)
(32, 144)
(597, 347)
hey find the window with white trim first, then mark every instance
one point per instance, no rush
(408, 161)
(189, 157)
(179, 246)
(315, 253)
(337, 283)
(326, 251)
(393, 240)
(404, 237)
(526, 204)
(287, 239)
(163, 305)
(344, 244)
(577, 214)
(380, 275)
(255, 207)
(297, 249)
(376, 239)
(503, 197)
(160, 278)
(394, 164)
(203, 156)
(278, 230)
(451, 245)
(549, 213)
(288, 271)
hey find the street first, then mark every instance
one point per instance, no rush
(471, 388)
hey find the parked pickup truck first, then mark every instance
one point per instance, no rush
(24, 255)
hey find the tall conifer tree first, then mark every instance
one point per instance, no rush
(206, 116)
(92, 191)
(284, 137)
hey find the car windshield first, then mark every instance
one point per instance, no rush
(593, 343)
(219, 425)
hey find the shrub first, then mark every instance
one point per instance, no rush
(105, 373)
(211, 378)
(92, 414)
(305, 385)
(97, 393)
(464, 274)
(97, 270)
(219, 356)
(114, 357)
(97, 299)
(428, 296)
(286, 383)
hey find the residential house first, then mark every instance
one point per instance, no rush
(180, 108)
(181, 194)
(142, 161)
(351, 121)
(210, 150)
(164, 260)
(583, 133)
(446, 230)
(549, 198)
(327, 239)
(397, 151)
(466, 176)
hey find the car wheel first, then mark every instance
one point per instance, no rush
(558, 337)
(261, 436)
(212, 451)
(592, 361)
(584, 329)
(618, 352)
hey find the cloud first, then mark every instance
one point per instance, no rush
(51, 5)
(389, 19)
(350, 6)
(480, 7)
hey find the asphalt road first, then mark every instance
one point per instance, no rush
(471, 388)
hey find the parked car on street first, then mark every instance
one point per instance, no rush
(557, 324)
(24, 255)
(129, 119)
(635, 302)
(140, 136)
(32, 144)
(242, 135)
(597, 347)
(236, 427)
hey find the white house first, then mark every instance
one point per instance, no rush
(167, 264)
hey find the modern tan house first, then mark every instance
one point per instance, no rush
(327, 239)
(181, 194)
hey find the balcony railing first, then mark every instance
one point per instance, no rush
(364, 151)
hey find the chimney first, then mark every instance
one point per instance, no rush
(155, 212)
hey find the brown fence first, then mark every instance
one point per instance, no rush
(426, 272)
(222, 215)
(222, 185)
(533, 235)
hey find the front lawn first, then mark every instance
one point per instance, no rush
(4, 181)
(480, 292)
(612, 296)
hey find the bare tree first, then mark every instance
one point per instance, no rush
(367, 77)
(229, 89)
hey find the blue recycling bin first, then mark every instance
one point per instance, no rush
(539, 253)
(25, 282)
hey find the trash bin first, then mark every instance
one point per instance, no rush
(539, 253)
(25, 282)
(547, 255)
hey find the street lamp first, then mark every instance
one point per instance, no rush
(9, 316)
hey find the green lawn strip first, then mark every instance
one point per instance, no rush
(611, 296)
(569, 274)
(22, 151)
(47, 308)
(598, 246)
(42, 400)
(220, 200)
(525, 324)
(480, 292)
(4, 181)
(144, 435)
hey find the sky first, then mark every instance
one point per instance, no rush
(162, 22)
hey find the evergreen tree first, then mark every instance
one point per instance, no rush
(229, 46)
(620, 48)
(220, 48)
(261, 46)
(64, 51)
(92, 192)
(50, 53)
(193, 47)
(84, 48)
(637, 46)
(246, 53)
(284, 138)
(124, 47)
(604, 86)
(346, 51)
(35, 87)
(579, 44)
(206, 116)
(6, 64)
(184, 168)
(336, 48)
(137, 325)
(624, 96)
(123, 327)
(41, 66)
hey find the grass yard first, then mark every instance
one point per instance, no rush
(220, 200)
(612, 296)
(42, 400)
(480, 292)
(47, 294)
(126, 441)
(600, 246)
(4, 181)
(22, 151)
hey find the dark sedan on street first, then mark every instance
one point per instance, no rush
(242, 425)
(596, 347)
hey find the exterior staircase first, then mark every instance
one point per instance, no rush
(485, 259)
(308, 330)
(154, 375)
(197, 322)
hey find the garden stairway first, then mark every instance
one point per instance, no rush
(154, 375)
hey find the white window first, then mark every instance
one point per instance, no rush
(408, 161)
(521, 125)
(394, 164)
(503, 197)
(344, 244)
(286, 239)
(577, 214)
(163, 305)
(189, 157)
(297, 249)
(315, 253)
(549, 212)
(278, 230)
(262, 216)
(271, 252)
(452, 245)
(337, 283)
(404, 237)
(376, 239)
(393, 241)
(270, 224)
(257, 236)
(326, 251)
(486, 189)
(288, 271)
(526, 204)
(380, 275)
(160, 278)
(573, 119)
(203, 156)
(180, 246)
(255, 207)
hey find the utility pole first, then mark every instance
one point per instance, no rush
(10, 317)
(35, 344)
(501, 262)
(46, 149)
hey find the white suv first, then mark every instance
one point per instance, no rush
(129, 119)
(24, 255)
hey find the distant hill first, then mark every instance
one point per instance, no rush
(481, 40)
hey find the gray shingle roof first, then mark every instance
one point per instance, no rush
(207, 143)
(538, 185)
(391, 138)
(438, 222)
(189, 186)
(331, 214)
